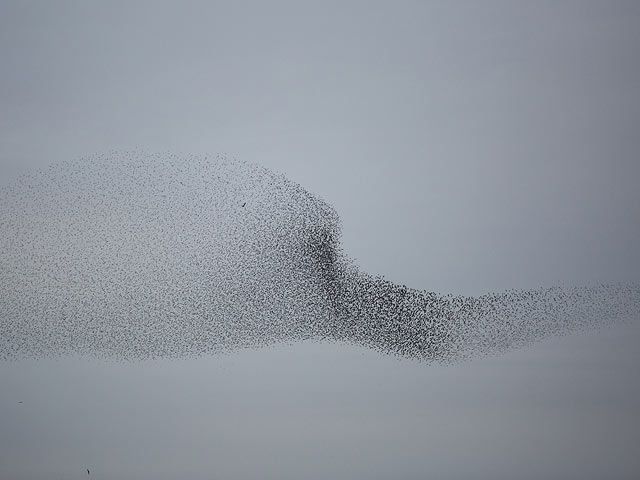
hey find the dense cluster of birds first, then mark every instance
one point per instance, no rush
(138, 256)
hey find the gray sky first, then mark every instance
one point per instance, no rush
(476, 146)
(468, 146)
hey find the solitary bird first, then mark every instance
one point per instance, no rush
(88, 472)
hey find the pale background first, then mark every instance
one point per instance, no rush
(469, 147)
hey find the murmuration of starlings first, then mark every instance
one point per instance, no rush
(140, 256)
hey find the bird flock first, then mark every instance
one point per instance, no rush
(140, 256)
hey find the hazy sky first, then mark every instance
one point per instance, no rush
(474, 145)
(468, 147)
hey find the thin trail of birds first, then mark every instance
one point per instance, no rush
(139, 256)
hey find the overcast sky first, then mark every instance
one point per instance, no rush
(468, 146)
